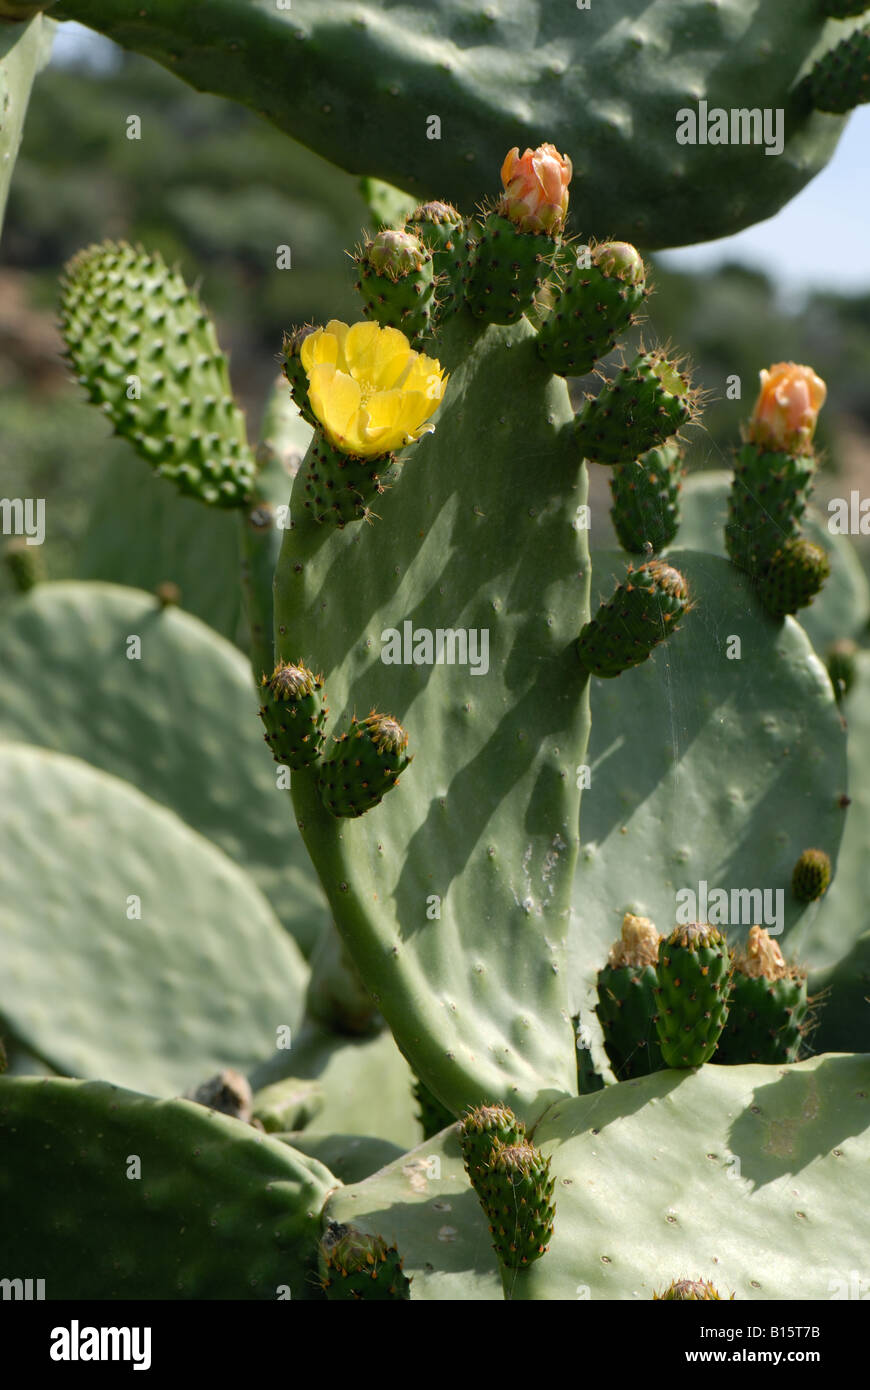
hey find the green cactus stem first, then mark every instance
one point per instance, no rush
(811, 875)
(294, 713)
(593, 304)
(795, 574)
(482, 1128)
(627, 1000)
(364, 765)
(643, 612)
(645, 404)
(694, 979)
(768, 1006)
(294, 371)
(431, 1114)
(689, 1291)
(515, 1190)
(646, 499)
(840, 79)
(355, 1266)
(397, 282)
(842, 666)
(147, 353)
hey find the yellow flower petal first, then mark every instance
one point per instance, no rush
(335, 399)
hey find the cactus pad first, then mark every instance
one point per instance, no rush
(146, 351)
(694, 978)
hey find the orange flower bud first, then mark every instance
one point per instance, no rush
(785, 414)
(536, 189)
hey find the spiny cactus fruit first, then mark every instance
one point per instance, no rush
(355, 1265)
(484, 1126)
(842, 666)
(515, 1190)
(431, 1114)
(364, 765)
(644, 611)
(443, 230)
(294, 713)
(294, 371)
(775, 467)
(397, 282)
(646, 499)
(811, 875)
(793, 577)
(513, 253)
(147, 352)
(626, 1000)
(598, 297)
(840, 79)
(694, 980)
(648, 401)
(768, 1006)
(689, 1291)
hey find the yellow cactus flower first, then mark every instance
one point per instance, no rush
(785, 414)
(371, 392)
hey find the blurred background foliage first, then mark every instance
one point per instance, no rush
(218, 192)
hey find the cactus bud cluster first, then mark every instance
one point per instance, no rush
(513, 1182)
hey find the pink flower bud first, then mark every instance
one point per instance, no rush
(785, 414)
(536, 189)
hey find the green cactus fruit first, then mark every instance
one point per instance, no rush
(147, 352)
(294, 371)
(842, 666)
(516, 1193)
(689, 1291)
(356, 1265)
(811, 875)
(24, 564)
(598, 297)
(431, 1114)
(364, 765)
(643, 612)
(768, 497)
(397, 282)
(646, 499)
(339, 487)
(694, 980)
(646, 403)
(506, 268)
(294, 713)
(840, 79)
(443, 230)
(627, 1000)
(482, 1128)
(795, 575)
(768, 1006)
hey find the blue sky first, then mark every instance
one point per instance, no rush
(820, 240)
